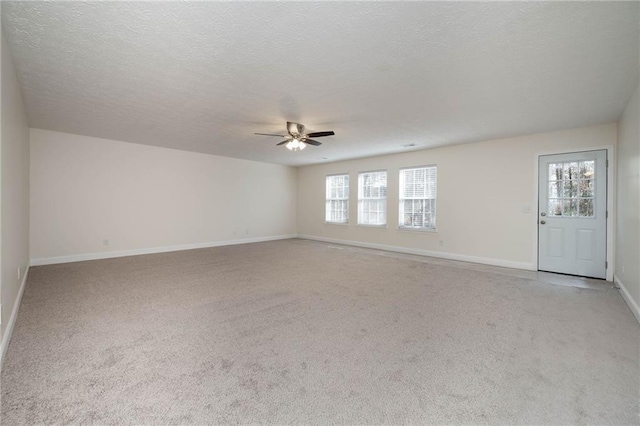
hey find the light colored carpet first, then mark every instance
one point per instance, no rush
(302, 332)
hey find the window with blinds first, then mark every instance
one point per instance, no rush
(372, 198)
(337, 207)
(418, 198)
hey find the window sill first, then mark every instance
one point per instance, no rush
(362, 225)
(337, 223)
(427, 230)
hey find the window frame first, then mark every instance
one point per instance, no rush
(328, 199)
(361, 199)
(401, 199)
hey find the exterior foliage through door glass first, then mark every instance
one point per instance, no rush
(571, 189)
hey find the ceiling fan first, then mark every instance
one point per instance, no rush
(297, 138)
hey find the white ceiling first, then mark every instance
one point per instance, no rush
(205, 76)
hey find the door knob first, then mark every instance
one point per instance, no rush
(543, 214)
(542, 222)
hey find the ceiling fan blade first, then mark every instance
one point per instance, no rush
(320, 134)
(283, 142)
(270, 134)
(312, 142)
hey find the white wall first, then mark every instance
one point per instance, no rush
(628, 213)
(482, 191)
(85, 190)
(14, 227)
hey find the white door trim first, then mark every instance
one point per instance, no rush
(611, 197)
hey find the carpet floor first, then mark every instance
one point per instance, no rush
(297, 331)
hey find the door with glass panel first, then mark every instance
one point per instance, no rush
(572, 213)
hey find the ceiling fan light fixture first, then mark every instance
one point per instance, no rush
(296, 145)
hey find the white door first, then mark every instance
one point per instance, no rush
(572, 213)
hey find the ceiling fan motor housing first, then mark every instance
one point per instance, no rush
(295, 129)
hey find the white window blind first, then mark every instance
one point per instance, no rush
(418, 198)
(372, 198)
(337, 208)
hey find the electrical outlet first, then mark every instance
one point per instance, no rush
(441, 243)
(19, 273)
(105, 242)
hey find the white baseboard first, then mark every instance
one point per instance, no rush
(135, 252)
(438, 254)
(627, 298)
(6, 337)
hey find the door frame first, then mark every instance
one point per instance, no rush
(611, 197)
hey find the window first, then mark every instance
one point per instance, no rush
(571, 187)
(337, 209)
(372, 198)
(418, 198)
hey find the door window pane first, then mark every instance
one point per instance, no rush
(585, 209)
(555, 171)
(570, 208)
(586, 188)
(571, 189)
(587, 169)
(555, 189)
(555, 207)
(570, 170)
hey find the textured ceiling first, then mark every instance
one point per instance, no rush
(205, 76)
